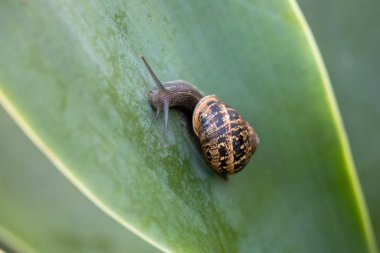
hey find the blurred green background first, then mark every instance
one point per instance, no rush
(348, 36)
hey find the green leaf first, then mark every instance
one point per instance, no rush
(40, 211)
(350, 48)
(76, 85)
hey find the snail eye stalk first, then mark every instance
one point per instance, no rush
(155, 78)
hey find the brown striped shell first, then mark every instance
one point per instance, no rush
(227, 140)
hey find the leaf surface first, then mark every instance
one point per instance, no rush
(350, 48)
(75, 82)
(41, 211)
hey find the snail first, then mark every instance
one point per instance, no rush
(226, 140)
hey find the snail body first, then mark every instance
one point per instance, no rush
(227, 141)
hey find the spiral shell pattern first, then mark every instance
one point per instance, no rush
(227, 140)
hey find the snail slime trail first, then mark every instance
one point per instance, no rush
(226, 140)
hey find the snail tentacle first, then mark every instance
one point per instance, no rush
(155, 78)
(157, 114)
(166, 119)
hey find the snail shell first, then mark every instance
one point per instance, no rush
(227, 141)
